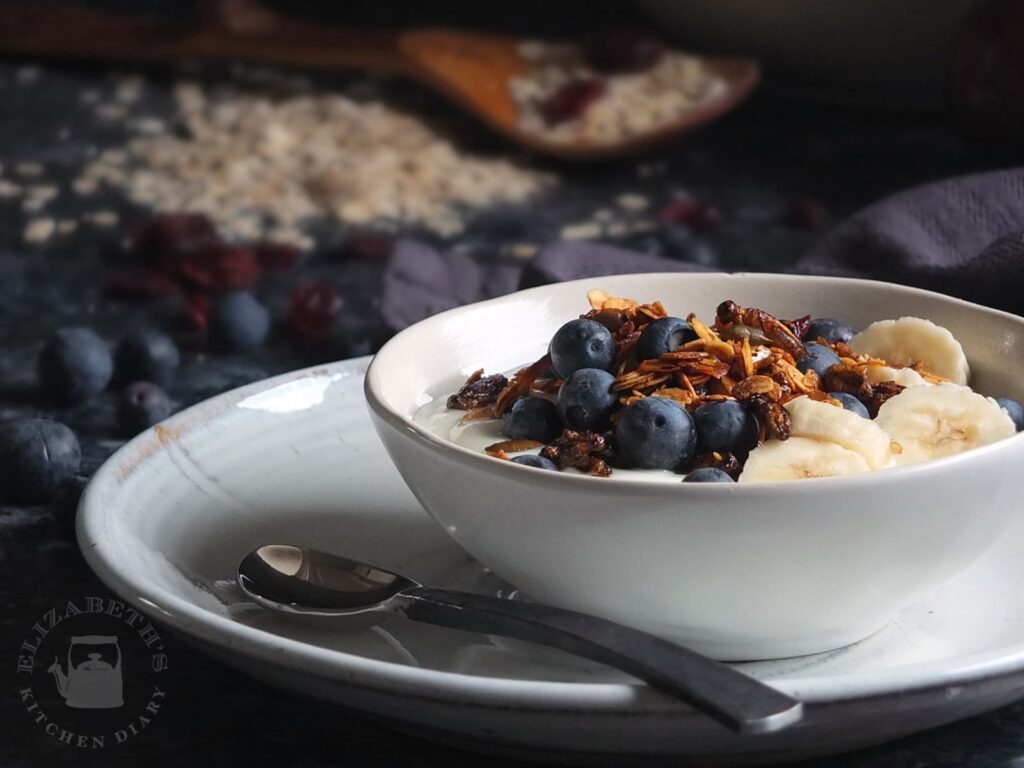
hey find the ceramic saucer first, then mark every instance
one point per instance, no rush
(294, 459)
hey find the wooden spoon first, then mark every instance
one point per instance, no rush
(471, 69)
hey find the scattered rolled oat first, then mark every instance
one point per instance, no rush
(33, 204)
(585, 230)
(522, 250)
(44, 192)
(29, 170)
(256, 162)
(103, 218)
(632, 202)
(630, 103)
(84, 186)
(111, 112)
(38, 230)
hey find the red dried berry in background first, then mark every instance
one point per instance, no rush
(224, 268)
(234, 268)
(276, 255)
(313, 309)
(197, 311)
(698, 216)
(571, 100)
(171, 237)
(366, 247)
(140, 285)
(623, 50)
(806, 213)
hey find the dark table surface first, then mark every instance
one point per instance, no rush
(752, 166)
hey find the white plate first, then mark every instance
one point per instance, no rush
(294, 459)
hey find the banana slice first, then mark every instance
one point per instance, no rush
(799, 458)
(909, 339)
(821, 421)
(931, 422)
(906, 377)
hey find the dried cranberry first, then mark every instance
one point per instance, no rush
(623, 50)
(698, 216)
(171, 237)
(224, 268)
(313, 309)
(366, 246)
(800, 326)
(197, 311)
(806, 213)
(140, 285)
(277, 255)
(571, 100)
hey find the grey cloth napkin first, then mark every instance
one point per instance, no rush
(963, 237)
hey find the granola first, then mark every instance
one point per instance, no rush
(633, 387)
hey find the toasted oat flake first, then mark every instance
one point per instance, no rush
(513, 446)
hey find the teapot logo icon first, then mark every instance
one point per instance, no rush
(94, 682)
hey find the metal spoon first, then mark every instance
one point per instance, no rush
(304, 581)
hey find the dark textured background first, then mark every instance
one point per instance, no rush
(752, 166)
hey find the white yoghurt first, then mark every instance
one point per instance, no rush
(438, 419)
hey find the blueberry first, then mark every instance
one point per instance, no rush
(238, 323)
(667, 334)
(582, 344)
(74, 366)
(140, 406)
(851, 403)
(532, 418)
(655, 433)
(532, 460)
(817, 358)
(1014, 409)
(725, 426)
(829, 329)
(147, 355)
(708, 475)
(586, 400)
(36, 456)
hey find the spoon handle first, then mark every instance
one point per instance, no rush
(734, 699)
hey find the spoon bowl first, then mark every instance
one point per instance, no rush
(295, 580)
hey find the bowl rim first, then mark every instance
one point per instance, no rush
(438, 445)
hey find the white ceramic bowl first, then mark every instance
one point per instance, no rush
(747, 571)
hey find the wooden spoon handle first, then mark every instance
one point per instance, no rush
(71, 31)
